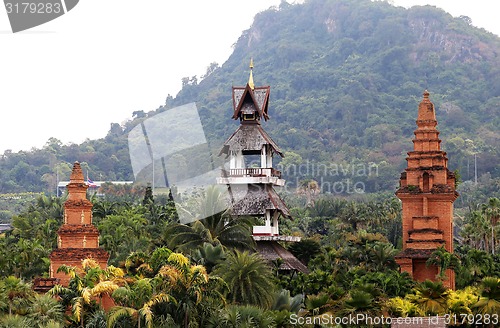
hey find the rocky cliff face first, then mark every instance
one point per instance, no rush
(449, 41)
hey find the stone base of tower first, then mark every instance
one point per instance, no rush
(414, 262)
(74, 257)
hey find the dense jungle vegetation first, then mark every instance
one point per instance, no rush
(165, 274)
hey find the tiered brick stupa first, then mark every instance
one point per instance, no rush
(427, 192)
(78, 238)
(251, 175)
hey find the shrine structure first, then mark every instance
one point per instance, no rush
(77, 238)
(251, 177)
(427, 192)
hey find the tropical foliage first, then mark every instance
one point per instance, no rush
(214, 283)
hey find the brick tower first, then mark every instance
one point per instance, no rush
(78, 238)
(427, 192)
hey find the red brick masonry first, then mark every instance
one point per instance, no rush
(427, 192)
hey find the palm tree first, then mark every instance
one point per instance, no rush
(249, 278)
(402, 307)
(354, 214)
(190, 288)
(489, 301)
(56, 324)
(460, 301)
(239, 316)
(477, 230)
(103, 208)
(159, 258)
(431, 297)
(158, 215)
(123, 233)
(133, 301)
(16, 294)
(316, 305)
(305, 250)
(141, 265)
(30, 255)
(50, 207)
(391, 282)
(444, 260)
(96, 319)
(173, 287)
(359, 302)
(492, 212)
(218, 229)
(46, 309)
(211, 223)
(476, 264)
(208, 255)
(15, 321)
(364, 298)
(283, 301)
(137, 264)
(86, 285)
(382, 256)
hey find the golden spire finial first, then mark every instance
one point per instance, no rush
(250, 79)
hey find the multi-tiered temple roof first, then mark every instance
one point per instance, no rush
(78, 238)
(251, 177)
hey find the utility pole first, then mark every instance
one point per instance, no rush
(57, 180)
(475, 168)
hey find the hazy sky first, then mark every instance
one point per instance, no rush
(71, 77)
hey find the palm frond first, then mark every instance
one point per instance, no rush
(118, 312)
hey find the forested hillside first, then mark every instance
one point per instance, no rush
(346, 78)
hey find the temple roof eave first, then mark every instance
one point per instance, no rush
(69, 254)
(86, 229)
(415, 253)
(248, 137)
(271, 251)
(256, 200)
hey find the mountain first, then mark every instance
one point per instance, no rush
(346, 78)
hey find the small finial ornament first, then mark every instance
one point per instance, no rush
(250, 79)
(426, 94)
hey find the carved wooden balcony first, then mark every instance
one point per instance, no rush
(251, 172)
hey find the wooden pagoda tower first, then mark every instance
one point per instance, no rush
(78, 238)
(251, 177)
(427, 192)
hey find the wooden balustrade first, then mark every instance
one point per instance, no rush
(252, 172)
